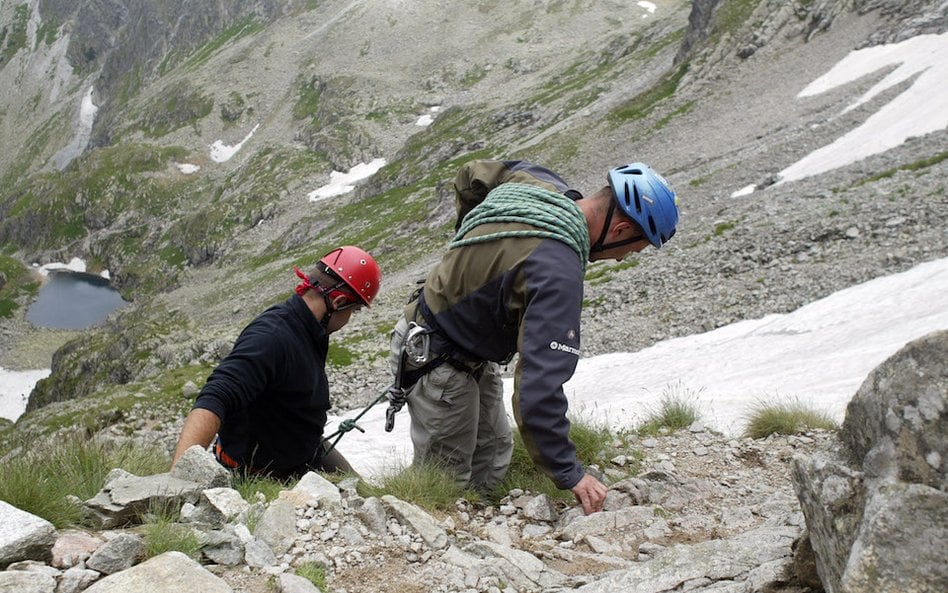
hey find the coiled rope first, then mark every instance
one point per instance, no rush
(553, 215)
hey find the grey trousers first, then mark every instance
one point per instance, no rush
(459, 422)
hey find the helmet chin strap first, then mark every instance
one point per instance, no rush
(308, 284)
(329, 310)
(600, 244)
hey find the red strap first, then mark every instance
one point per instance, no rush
(330, 293)
(305, 285)
(225, 458)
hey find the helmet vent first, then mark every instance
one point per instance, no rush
(626, 194)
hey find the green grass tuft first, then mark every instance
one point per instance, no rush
(16, 285)
(602, 273)
(249, 485)
(39, 477)
(248, 26)
(314, 572)
(677, 409)
(644, 103)
(788, 417)
(427, 486)
(918, 165)
(722, 227)
(15, 37)
(163, 534)
(433, 488)
(595, 445)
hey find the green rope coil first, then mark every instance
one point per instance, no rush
(553, 216)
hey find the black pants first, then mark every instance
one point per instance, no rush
(330, 462)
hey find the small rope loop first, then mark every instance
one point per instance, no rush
(350, 423)
(347, 425)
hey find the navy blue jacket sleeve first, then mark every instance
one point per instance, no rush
(549, 351)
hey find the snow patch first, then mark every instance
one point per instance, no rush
(74, 265)
(428, 118)
(744, 191)
(919, 110)
(221, 153)
(87, 111)
(341, 183)
(15, 388)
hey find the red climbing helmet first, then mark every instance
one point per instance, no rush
(356, 268)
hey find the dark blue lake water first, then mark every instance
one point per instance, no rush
(70, 300)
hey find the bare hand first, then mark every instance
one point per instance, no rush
(591, 493)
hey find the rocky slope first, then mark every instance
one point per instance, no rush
(687, 511)
(719, 512)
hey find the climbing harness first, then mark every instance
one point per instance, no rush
(415, 346)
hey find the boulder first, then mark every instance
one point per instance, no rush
(171, 572)
(118, 554)
(126, 497)
(24, 536)
(199, 465)
(876, 503)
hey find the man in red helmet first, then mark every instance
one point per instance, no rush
(267, 400)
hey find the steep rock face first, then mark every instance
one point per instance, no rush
(906, 18)
(718, 29)
(877, 507)
(699, 27)
(898, 417)
(127, 42)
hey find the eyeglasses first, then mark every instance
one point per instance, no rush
(354, 303)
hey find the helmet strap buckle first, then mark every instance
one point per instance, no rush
(599, 245)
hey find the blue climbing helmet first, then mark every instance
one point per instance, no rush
(648, 199)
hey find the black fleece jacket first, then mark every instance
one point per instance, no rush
(271, 391)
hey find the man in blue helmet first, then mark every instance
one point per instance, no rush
(512, 282)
